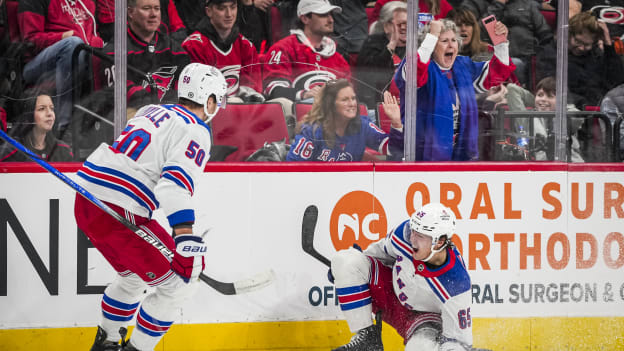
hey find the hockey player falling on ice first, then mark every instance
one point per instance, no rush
(416, 278)
(153, 164)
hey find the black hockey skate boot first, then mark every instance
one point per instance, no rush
(366, 339)
(101, 344)
(125, 344)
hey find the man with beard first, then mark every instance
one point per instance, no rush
(150, 51)
(300, 64)
(218, 42)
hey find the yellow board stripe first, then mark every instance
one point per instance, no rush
(507, 334)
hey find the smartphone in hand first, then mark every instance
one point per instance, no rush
(489, 23)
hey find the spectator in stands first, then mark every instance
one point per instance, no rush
(151, 52)
(447, 117)
(56, 28)
(298, 65)
(613, 106)
(593, 65)
(350, 26)
(333, 131)
(34, 131)
(381, 53)
(544, 100)
(527, 28)
(607, 11)
(253, 18)
(218, 42)
(470, 33)
(438, 8)
(254, 24)
(172, 24)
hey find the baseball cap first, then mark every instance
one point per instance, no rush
(210, 2)
(319, 7)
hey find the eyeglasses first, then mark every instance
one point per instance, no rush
(578, 42)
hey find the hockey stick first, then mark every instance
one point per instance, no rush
(308, 225)
(258, 281)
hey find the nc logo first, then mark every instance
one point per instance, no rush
(352, 222)
(358, 217)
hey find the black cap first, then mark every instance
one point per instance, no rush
(210, 2)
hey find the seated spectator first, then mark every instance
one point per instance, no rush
(218, 42)
(381, 53)
(607, 11)
(447, 117)
(527, 28)
(253, 21)
(519, 99)
(34, 131)
(151, 52)
(438, 8)
(298, 65)
(613, 106)
(350, 26)
(55, 34)
(470, 33)
(594, 68)
(333, 130)
(105, 15)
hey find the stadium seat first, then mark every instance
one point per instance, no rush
(551, 18)
(14, 32)
(248, 127)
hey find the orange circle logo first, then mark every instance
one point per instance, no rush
(358, 217)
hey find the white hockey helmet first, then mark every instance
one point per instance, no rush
(434, 220)
(198, 82)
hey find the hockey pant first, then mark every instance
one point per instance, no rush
(155, 314)
(364, 286)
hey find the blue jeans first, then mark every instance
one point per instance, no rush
(57, 58)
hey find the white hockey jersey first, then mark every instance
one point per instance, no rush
(445, 290)
(154, 163)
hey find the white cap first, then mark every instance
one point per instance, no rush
(320, 7)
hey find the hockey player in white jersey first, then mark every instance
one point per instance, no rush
(416, 278)
(154, 163)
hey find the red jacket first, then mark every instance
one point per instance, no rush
(169, 14)
(43, 22)
(236, 57)
(294, 66)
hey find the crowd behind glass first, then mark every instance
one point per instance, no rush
(322, 80)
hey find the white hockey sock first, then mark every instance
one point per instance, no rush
(119, 303)
(351, 270)
(158, 311)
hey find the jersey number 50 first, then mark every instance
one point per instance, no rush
(195, 153)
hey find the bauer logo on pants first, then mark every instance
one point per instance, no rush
(358, 217)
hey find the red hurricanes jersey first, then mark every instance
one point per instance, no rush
(239, 64)
(293, 63)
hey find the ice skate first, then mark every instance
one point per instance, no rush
(101, 344)
(366, 339)
(125, 344)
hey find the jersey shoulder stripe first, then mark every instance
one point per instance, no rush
(121, 182)
(180, 177)
(399, 241)
(188, 116)
(453, 280)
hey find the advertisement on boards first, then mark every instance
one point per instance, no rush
(542, 244)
